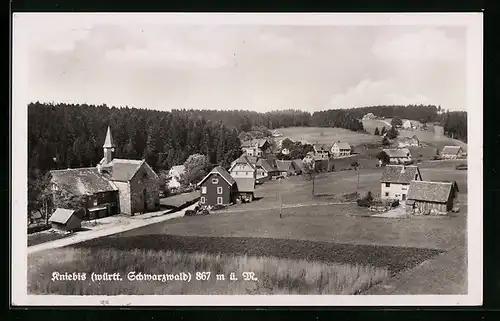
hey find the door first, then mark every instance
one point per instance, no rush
(404, 197)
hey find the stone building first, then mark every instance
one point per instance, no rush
(114, 186)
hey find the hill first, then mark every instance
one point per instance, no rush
(327, 135)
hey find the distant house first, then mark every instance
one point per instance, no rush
(256, 147)
(312, 158)
(452, 152)
(285, 151)
(285, 168)
(115, 186)
(321, 151)
(246, 188)
(407, 124)
(299, 166)
(218, 187)
(175, 174)
(396, 180)
(276, 133)
(340, 149)
(369, 116)
(243, 167)
(426, 197)
(264, 170)
(398, 156)
(408, 142)
(67, 220)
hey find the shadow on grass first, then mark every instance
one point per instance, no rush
(395, 259)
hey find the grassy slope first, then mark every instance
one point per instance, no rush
(274, 276)
(329, 136)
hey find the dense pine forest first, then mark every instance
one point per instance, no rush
(69, 135)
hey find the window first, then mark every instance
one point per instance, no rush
(219, 200)
(387, 184)
(416, 177)
(95, 202)
(404, 197)
(247, 173)
(203, 190)
(387, 194)
(219, 190)
(202, 200)
(215, 181)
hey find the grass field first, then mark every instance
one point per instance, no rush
(327, 135)
(45, 236)
(272, 275)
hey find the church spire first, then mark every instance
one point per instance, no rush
(108, 143)
(109, 148)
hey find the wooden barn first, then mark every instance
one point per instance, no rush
(246, 188)
(218, 188)
(426, 197)
(66, 220)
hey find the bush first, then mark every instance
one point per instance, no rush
(189, 213)
(363, 202)
(395, 203)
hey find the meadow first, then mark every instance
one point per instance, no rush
(272, 275)
(327, 135)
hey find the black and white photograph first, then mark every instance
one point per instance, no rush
(247, 159)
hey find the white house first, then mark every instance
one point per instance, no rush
(285, 151)
(452, 152)
(408, 142)
(398, 156)
(396, 180)
(407, 124)
(321, 151)
(243, 167)
(256, 147)
(175, 176)
(340, 149)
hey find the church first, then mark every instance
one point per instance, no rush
(114, 186)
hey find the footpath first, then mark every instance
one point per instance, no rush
(123, 225)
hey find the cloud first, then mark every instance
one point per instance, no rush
(425, 45)
(369, 93)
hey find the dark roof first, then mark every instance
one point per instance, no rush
(61, 215)
(122, 170)
(430, 191)
(254, 142)
(221, 172)
(399, 174)
(395, 153)
(265, 165)
(245, 184)
(283, 165)
(451, 150)
(82, 181)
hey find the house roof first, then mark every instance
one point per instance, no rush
(342, 145)
(395, 153)
(299, 163)
(265, 165)
(430, 191)
(82, 181)
(177, 170)
(254, 142)
(221, 172)
(61, 215)
(122, 170)
(244, 159)
(108, 142)
(399, 174)
(245, 184)
(283, 165)
(319, 147)
(451, 150)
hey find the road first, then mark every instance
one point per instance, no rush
(89, 235)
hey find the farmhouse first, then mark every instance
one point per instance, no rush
(175, 176)
(340, 149)
(425, 197)
(285, 168)
(409, 142)
(276, 133)
(369, 116)
(218, 187)
(396, 180)
(398, 156)
(264, 170)
(408, 124)
(243, 167)
(66, 220)
(321, 151)
(246, 188)
(256, 147)
(451, 152)
(113, 186)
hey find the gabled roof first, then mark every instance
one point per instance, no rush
(122, 170)
(319, 147)
(61, 215)
(396, 153)
(254, 143)
(221, 172)
(451, 150)
(399, 174)
(430, 191)
(265, 165)
(299, 163)
(82, 181)
(283, 165)
(342, 145)
(243, 159)
(245, 184)
(108, 142)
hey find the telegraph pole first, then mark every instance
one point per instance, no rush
(281, 202)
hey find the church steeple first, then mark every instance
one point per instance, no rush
(109, 147)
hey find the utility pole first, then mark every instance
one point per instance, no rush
(281, 202)
(357, 186)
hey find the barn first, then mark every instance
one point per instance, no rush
(246, 188)
(427, 197)
(66, 220)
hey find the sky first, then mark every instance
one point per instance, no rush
(168, 66)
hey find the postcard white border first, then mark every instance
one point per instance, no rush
(474, 23)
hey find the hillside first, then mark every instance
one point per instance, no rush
(327, 135)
